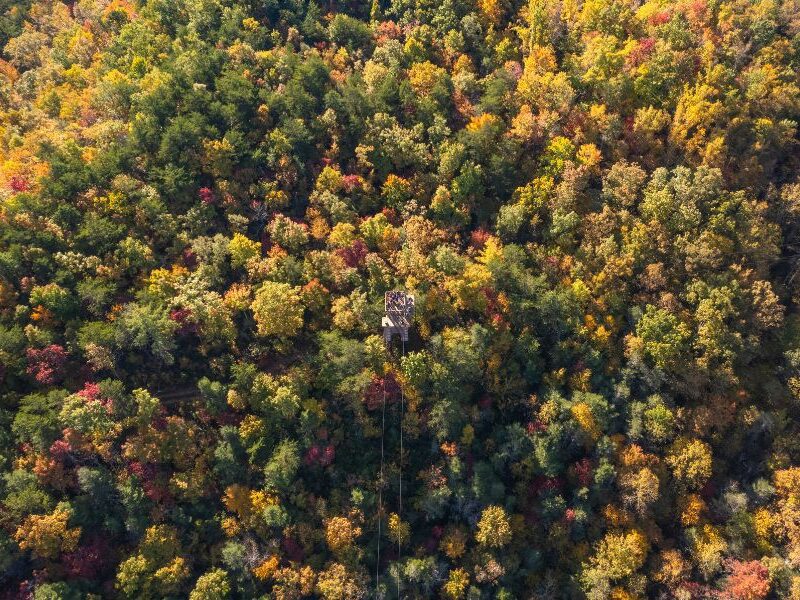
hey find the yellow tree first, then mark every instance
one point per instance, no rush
(47, 536)
(340, 533)
(494, 528)
(618, 555)
(211, 586)
(690, 461)
(242, 249)
(278, 310)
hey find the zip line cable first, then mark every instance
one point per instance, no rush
(400, 467)
(380, 494)
(400, 484)
(399, 307)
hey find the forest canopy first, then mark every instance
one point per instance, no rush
(594, 203)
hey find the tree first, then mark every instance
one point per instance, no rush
(456, 585)
(594, 202)
(156, 569)
(242, 249)
(289, 234)
(494, 528)
(36, 420)
(708, 547)
(337, 583)
(47, 365)
(350, 32)
(212, 585)
(616, 556)
(747, 581)
(282, 467)
(48, 536)
(277, 310)
(56, 591)
(640, 489)
(340, 533)
(663, 336)
(147, 328)
(690, 461)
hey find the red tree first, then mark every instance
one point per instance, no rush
(47, 365)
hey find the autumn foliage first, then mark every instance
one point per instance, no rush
(595, 204)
